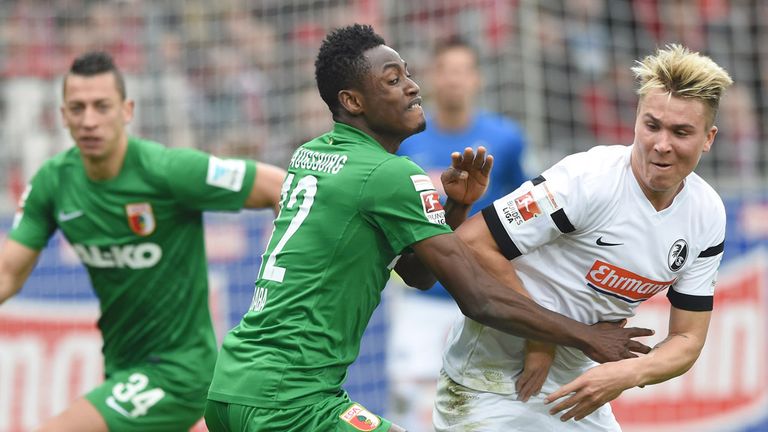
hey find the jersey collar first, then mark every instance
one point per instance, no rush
(343, 132)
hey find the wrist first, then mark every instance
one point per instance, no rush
(450, 202)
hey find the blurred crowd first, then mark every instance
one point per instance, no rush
(235, 77)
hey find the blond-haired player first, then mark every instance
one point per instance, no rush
(592, 238)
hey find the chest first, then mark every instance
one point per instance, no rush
(634, 256)
(117, 214)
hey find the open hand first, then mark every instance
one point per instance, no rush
(610, 341)
(538, 359)
(466, 180)
(591, 390)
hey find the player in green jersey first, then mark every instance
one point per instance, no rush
(349, 209)
(132, 210)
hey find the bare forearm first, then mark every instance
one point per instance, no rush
(16, 263)
(9, 286)
(672, 357)
(491, 303)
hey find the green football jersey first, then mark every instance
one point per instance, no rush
(348, 209)
(140, 236)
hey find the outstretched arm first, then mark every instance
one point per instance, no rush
(464, 182)
(16, 263)
(538, 355)
(485, 300)
(266, 187)
(670, 358)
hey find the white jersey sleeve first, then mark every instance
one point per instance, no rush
(694, 289)
(542, 209)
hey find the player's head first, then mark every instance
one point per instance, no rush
(679, 94)
(455, 76)
(679, 72)
(366, 83)
(95, 108)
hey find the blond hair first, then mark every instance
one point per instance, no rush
(683, 73)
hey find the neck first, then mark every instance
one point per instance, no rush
(107, 167)
(658, 199)
(453, 119)
(390, 143)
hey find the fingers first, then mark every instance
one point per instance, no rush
(488, 165)
(564, 405)
(452, 175)
(562, 391)
(638, 347)
(469, 160)
(479, 158)
(639, 332)
(528, 385)
(456, 160)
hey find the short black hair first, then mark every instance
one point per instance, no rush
(340, 64)
(96, 63)
(454, 42)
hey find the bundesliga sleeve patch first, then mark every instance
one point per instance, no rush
(226, 173)
(433, 210)
(522, 207)
(360, 418)
(422, 182)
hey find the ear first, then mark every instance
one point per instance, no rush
(63, 112)
(710, 138)
(128, 110)
(352, 101)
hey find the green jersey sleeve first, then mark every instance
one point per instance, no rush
(402, 202)
(205, 182)
(35, 222)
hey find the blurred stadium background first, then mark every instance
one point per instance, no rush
(236, 78)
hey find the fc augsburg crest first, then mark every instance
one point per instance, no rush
(140, 218)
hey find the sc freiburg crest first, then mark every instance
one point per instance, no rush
(140, 218)
(677, 255)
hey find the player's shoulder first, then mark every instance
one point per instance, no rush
(594, 176)
(149, 150)
(60, 162)
(704, 195)
(396, 165)
(598, 162)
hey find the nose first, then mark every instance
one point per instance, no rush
(412, 89)
(663, 143)
(90, 118)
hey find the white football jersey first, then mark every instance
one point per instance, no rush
(588, 244)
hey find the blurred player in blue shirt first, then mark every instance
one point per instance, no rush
(453, 123)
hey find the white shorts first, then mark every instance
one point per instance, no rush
(418, 331)
(461, 409)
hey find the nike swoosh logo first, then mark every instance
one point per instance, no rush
(63, 217)
(600, 242)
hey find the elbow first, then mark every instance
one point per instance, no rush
(479, 310)
(420, 283)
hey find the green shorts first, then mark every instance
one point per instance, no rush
(142, 398)
(334, 414)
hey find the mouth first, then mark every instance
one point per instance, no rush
(89, 141)
(661, 165)
(415, 104)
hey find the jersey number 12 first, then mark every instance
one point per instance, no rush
(308, 185)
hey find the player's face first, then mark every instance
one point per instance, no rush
(392, 101)
(455, 79)
(671, 133)
(95, 114)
